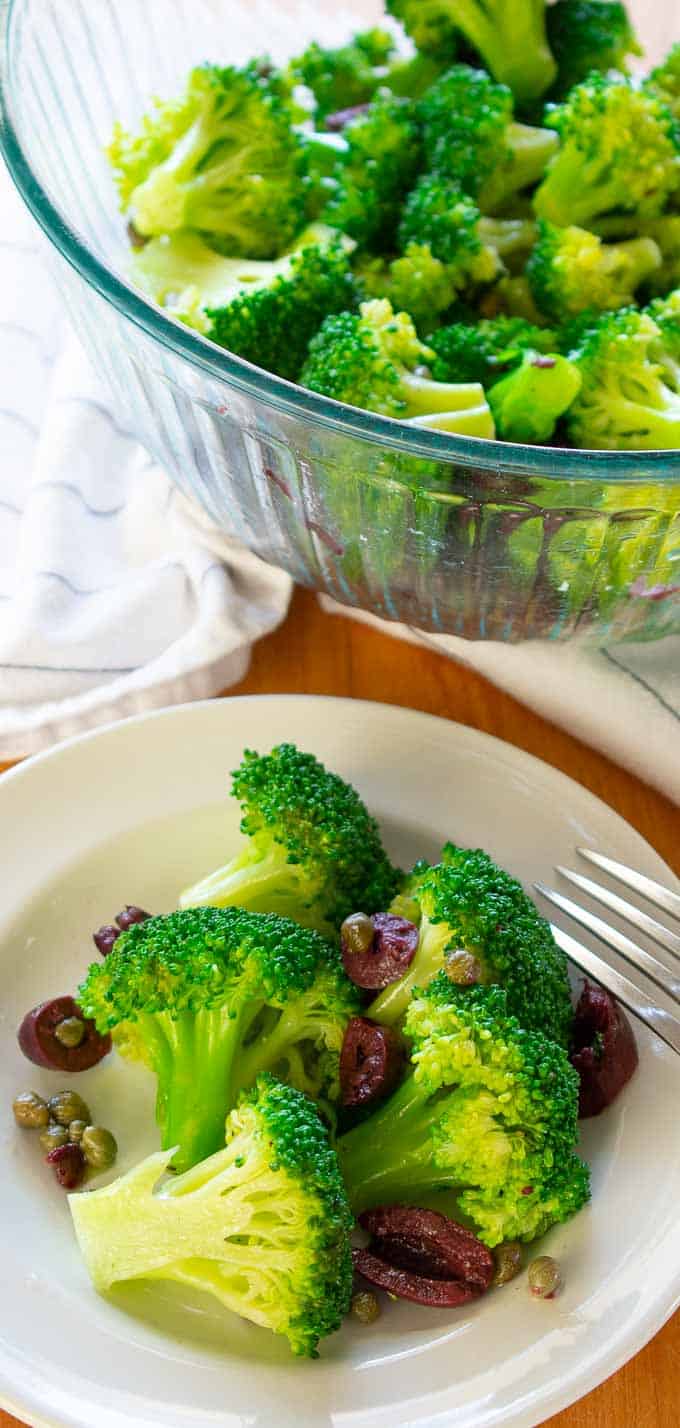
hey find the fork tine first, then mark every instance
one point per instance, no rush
(656, 1018)
(637, 956)
(654, 892)
(641, 920)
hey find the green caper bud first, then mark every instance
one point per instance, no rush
(76, 1131)
(463, 968)
(365, 1307)
(544, 1277)
(67, 1106)
(52, 1137)
(70, 1031)
(508, 1259)
(357, 932)
(99, 1147)
(30, 1111)
(404, 906)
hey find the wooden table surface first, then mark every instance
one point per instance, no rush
(314, 653)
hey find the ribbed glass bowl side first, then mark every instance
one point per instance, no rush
(461, 537)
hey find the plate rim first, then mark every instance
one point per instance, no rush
(635, 1337)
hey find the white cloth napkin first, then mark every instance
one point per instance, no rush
(117, 596)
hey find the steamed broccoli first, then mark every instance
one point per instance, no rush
(665, 312)
(207, 999)
(509, 35)
(439, 213)
(222, 159)
(263, 1225)
(665, 80)
(665, 232)
(585, 35)
(484, 351)
(344, 77)
(487, 1110)
(466, 901)
(311, 852)
(416, 280)
(629, 398)
(379, 162)
(371, 361)
(265, 312)
(571, 270)
(620, 151)
(470, 136)
(529, 402)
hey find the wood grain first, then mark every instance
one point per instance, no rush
(315, 653)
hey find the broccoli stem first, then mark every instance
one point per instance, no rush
(423, 396)
(530, 150)
(195, 1081)
(512, 40)
(576, 190)
(281, 1043)
(391, 1152)
(260, 882)
(390, 1005)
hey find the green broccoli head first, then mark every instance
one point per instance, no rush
(467, 902)
(288, 1270)
(630, 397)
(439, 214)
(532, 399)
(347, 76)
(379, 162)
(587, 35)
(510, 36)
(487, 1110)
(665, 80)
(471, 137)
(265, 312)
(571, 270)
(222, 159)
(372, 360)
(312, 851)
(483, 352)
(416, 281)
(208, 998)
(620, 151)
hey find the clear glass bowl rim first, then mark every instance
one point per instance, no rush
(548, 463)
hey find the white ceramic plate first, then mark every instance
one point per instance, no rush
(134, 813)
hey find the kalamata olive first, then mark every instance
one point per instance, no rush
(370, 1062)
(130, 915)
(68, 1164)
(339, 120)
(603, 1049)
(37, 1039)
(423, 1256)
(105, 937)
(394, 945)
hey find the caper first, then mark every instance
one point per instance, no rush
(99, 1147)
(463, 968)
(53, 1136)
(508, 1259)
(70, 1031)
(30, 1110)
(365, 1307)
(407, 907)
(544, 1277)
(76, 1131)
(67, 1106)
(357, 932)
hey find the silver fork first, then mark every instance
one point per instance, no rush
(631, 995)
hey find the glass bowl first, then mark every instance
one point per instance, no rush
(455, 535)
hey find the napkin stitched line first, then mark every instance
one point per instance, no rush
(639, 679)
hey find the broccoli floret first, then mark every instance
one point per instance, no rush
(620, 151)
(439, 214)
(485, 351)
(265, 312)
(263, 1225)
(509, 35)
(410, 78)
(629, 400)
(665, 232)
(207, 998)
(471, 137)
(344, 77)
(222, 159)
(371, 361)
(665, 312)
(529, 402)
(416, 281)
(466, 901)
(571, 270)
(311, 852)
(585, 35)
(665, 80)
(377, 167)
(487, 1110)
